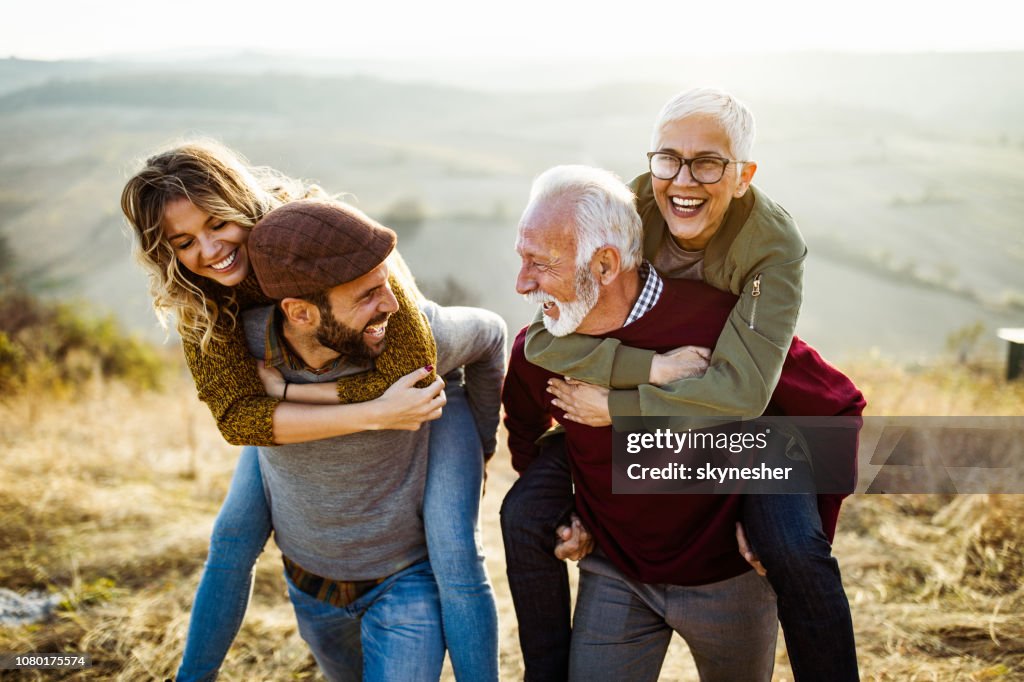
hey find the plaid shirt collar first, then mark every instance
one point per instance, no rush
(649, 295)
(279, 354)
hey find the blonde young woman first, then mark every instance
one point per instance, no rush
(190, 209)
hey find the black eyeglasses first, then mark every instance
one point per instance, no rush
(707, 170)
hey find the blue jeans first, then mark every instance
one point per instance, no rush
(785, 530)
(451, 513)
(239, 534)
(390, 633)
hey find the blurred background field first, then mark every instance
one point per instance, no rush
(909, 194)
(903, 171)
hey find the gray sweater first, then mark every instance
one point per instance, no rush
(350, 508)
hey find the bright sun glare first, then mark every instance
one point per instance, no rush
(527, 29)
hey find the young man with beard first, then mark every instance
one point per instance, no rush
(347, 511)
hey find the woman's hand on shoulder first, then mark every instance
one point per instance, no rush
(404, 407)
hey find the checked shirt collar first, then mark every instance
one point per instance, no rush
(649, 295)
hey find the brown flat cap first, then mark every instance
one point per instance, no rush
(311, 245)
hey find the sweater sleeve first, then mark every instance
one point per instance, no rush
(605, 362)
(473, 338)
(526, 419)
(227, 381)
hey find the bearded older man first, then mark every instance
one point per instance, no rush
(580, 245)
(702, 220)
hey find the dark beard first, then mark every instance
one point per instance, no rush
(347, 341)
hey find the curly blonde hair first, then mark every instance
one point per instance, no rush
(223, 184)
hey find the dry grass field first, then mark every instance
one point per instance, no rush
(108, 498)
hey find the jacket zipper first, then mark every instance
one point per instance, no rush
(755, 291)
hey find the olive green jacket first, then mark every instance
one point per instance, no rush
(757, 254)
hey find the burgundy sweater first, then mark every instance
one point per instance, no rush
(675, 539)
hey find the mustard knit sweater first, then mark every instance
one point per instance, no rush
(227, 380)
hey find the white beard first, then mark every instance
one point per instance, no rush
(570, 313)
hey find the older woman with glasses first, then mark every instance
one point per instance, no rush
(703, 219)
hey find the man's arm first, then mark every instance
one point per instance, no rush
(475, 339)
(526, 416)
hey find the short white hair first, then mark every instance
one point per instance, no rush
(603, 209)
(732, 114)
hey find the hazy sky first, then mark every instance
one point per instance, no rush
(538, 28)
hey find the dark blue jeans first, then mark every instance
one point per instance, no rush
(785, 530)
(535, 506)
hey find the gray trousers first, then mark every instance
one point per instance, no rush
(622, 628)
